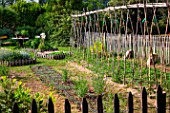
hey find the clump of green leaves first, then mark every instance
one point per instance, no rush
(4, 71)
(99, 84)
(107, 102)
(10, 55)
(81, 87)
(65, 75)
(41, 104)
(12, 91)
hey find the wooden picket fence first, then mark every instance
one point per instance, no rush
(160, 108)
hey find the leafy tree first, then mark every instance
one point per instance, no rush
(76, 4)
(56, 22)
(8, 17)
(27, 12)
(93, 4)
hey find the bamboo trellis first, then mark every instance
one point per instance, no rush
(143, 45)
(148, 5)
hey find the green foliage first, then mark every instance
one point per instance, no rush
(57, 22)
(27, 30)
(8, 17)
(81, 87)
(35, 43)
(97, 47)
(4, 71)
(121, 2)
(93, 4)
(41, 46)
(24, 32)
(32, 43)
(44, 45)
(40, 103)
(108, 102)
(13, 92)
(99, 84)
(64, 75)
(6, 32)
(28, 12)
(17, 32)
(10, 55)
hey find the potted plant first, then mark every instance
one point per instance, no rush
(17, 34)
(24, 33)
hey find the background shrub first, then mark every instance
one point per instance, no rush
(4, 71)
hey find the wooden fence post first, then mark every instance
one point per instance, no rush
(84, 106)
(99, 104)
(130, 103)
(33, 106)
(159, 94)
(50, 106)
(67, 106)
(164, 103)
(116, 104)
(161, 100)
(15, 108)
(144, 101)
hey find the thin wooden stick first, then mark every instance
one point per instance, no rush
(148, 5)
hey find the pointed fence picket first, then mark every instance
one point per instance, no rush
(160, 105)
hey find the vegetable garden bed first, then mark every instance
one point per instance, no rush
(68, 88)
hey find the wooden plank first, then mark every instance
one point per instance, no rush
(2, 37)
